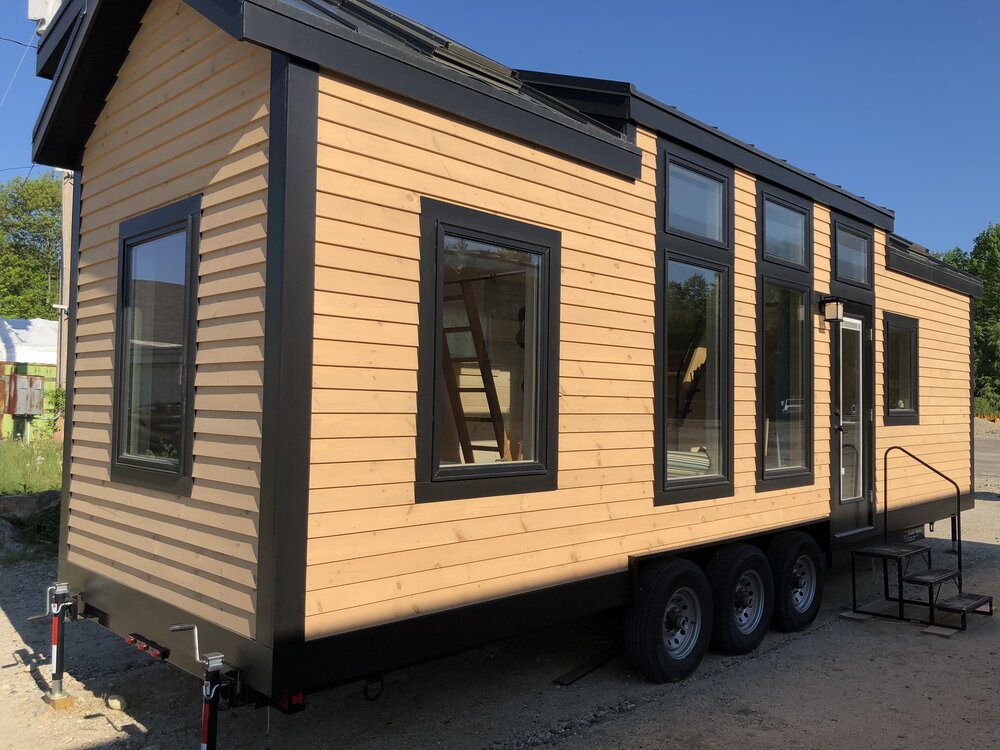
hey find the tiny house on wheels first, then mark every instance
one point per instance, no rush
(380, 350)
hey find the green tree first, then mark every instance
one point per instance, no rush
(984, 262)
(30, 246)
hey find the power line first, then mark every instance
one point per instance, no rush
(16, 169)
(17, 70)
(14, 41)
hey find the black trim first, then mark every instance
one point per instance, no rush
(182, 216)
(671, 245)
(649, 112)
(78, 96)
(933, 271)
(372, 651)
(70, 366)
(779, 479)
(432, 482)
(53, 43)
(87, 71)
(846, 286)
(288, 347)
(909, 326)
(123, 610)
(679, 240)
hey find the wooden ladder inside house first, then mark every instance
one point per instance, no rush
(459, 291)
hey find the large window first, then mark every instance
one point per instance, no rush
(901, 383)
(154, 378)
(694, 398)
(785, 380)
(489, 315)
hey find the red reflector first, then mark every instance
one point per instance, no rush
(155, 653)
(298, 698)
(142, 646)
(130, 640)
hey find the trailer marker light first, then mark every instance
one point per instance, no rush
(142, 646)
(156, 653)
(130, 640)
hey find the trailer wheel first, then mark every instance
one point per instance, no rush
(670, 623)
(743, 592)
(797, 566)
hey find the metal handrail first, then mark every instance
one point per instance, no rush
(958, 496)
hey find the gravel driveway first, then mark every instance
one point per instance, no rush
(840, 684)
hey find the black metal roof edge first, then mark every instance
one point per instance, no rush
(914, 260)
(823, 191)
(52, 43)
(276, 25)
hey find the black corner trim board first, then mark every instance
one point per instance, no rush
(288, 346)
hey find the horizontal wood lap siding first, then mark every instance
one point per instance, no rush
(373, 554)
(188, 115)
(942, 437)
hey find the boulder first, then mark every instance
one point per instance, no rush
(23, 507)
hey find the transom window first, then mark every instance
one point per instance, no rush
(154, 378)
(853, 251)
(785, 232)
(696, 203)
(489, 353)
(901, 369)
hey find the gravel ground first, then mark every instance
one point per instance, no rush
(838, 684)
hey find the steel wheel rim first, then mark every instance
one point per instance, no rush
(748, 602)
(681, 623)
(803, 583)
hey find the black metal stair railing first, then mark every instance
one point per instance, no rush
(958, 498)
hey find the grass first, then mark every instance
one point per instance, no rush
(30, 467)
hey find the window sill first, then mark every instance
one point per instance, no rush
(901, 418)
(467, 485)
(152, 479)
(783, 480)
(694, 490)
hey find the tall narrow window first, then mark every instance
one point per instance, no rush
(694, 399)
(490, 420)
(155, 346)
(901, 361)
(785, 388)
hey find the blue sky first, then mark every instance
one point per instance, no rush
(898, 102)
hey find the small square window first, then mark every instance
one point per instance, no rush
(854, 251)
(784, 233)
(901, 362)
(696, 203)
(154, 378)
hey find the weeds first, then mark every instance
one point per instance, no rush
(30, 467)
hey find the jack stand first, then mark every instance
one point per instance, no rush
(210, 700)
(60, 607)
(213, 683)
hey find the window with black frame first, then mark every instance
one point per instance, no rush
(901, 369)
(489, 354)
(785, 393)
(154, 379)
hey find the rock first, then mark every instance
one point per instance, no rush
(116, 703)
(23, 507)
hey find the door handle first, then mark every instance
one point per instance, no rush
(839, 428)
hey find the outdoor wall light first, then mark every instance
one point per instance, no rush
(832, 309)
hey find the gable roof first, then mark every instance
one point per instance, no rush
(356, 38)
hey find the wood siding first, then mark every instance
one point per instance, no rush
(943, 436)
(373, 554)
(188, 115)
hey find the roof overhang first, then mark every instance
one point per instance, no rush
(910, 259)
(618, 103)
(99, 44)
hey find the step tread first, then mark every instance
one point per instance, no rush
(934, 575)
(965, 602)
(891, 551)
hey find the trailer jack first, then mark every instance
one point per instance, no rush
(60, 607)
(214, 684)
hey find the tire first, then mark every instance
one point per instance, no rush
(670, 623)
(743, 595)
(797, 567)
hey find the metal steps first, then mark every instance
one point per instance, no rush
(901, 557)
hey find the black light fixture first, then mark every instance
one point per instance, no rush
(832, 309)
